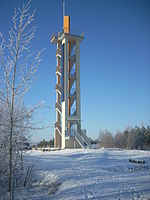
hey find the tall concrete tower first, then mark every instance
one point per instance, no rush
(68, 132)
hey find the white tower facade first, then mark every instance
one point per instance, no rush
(68, 132)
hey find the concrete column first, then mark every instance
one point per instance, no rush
(77, 51)
(65, 102)
(63, 144)
(66, 92)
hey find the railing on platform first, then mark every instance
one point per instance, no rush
(58, 106)
(58, 87)
(58, 69)
(57, 125)
(72, 32)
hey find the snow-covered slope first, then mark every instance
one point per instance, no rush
(89, 174)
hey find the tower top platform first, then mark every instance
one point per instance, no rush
(66, 32)
(62, 35)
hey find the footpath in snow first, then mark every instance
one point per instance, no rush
(89, 174)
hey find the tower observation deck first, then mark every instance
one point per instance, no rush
(68, 132)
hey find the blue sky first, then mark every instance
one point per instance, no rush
(115, 60)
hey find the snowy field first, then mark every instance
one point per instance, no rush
(89, 174)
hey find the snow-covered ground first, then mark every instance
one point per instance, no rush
(89, 174)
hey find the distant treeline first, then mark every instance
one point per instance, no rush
(131, 138)
(45, 143)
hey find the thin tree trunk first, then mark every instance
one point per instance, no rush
(10, 139)
(13, 181)
(11, 125)
(21, 161)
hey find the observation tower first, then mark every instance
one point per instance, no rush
(68, 132)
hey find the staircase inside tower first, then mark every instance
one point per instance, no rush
(58, 96)
(74, 132)
(72, 80)
(79, 135)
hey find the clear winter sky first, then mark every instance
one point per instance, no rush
(115, 60)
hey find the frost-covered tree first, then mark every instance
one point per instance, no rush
(18, 66)
(119, 140)
(106, 139)
(130, 138)
(4, 150)
(147, 136)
